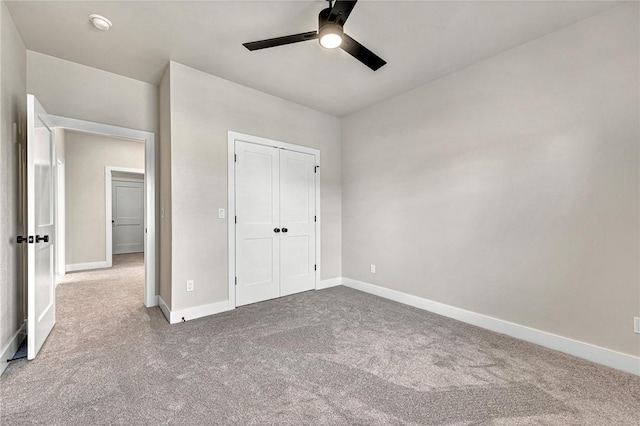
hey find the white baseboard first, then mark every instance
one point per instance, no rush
(12, 346)
(331, 282)
(597, 354)
(188, 314)
(87, 266)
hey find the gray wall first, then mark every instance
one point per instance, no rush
(203, 109)
(77, 91)
(86, 158)
(510, 188)
(13, 111)
(165, 188)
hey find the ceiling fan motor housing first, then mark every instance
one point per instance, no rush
(328, 27)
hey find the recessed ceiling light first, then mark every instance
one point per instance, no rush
(100, 22)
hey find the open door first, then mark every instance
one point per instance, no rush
(41, 307)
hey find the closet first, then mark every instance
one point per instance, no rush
(275, 222)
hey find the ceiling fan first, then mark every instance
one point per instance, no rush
(330, 35)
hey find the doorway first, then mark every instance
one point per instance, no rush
(149, 193)
(274, 221)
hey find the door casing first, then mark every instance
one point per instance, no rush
(148, 138)
(231, 209)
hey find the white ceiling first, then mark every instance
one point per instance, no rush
(420, 40)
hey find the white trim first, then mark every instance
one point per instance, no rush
(331, 282)
(73, 267)
(148, 139)
(108, 201)
(232, 137)
(597, 354)
(130, 180)
(60, 218)
(12, 347)
(188, 314)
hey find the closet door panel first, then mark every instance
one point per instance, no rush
(257, 215)
(297, 219)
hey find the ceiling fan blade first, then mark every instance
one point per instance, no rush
(361, 53)
(280, 41)
(341, 10)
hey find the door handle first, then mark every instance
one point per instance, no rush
(44, 238)
(284, 230)
(22, 239)
(276, 230)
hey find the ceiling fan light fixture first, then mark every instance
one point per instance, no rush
(100, 22)
(330, 36)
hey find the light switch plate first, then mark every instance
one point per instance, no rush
(220, 213)
(636, 325)
(189, 285)
(373, 269)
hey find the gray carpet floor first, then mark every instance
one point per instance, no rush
(334, 357)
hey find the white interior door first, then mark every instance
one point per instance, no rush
(127, 216)
(275, 222)
(297, 218)
(257, 218)
(40, 226)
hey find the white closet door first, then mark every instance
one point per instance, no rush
(257, 215)
(297, 219)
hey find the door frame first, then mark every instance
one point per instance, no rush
(60, 217)
(232, 137)
(148, 138)
(108, 201)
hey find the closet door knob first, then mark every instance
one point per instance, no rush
(284, 229)
(276, 230)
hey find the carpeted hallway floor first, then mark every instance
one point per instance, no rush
(334, 357)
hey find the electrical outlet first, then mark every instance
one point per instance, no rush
(189, 285)
(636, 325)
(373, 269)
(220, 213)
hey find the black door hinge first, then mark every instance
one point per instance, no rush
(315, 267)
(236, 280)
(235, 158)
(315, 169)
(236, 219)
(315, 218)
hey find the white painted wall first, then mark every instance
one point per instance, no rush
(203, 109)
(13, 110)
(86, 158)
(510, 188)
